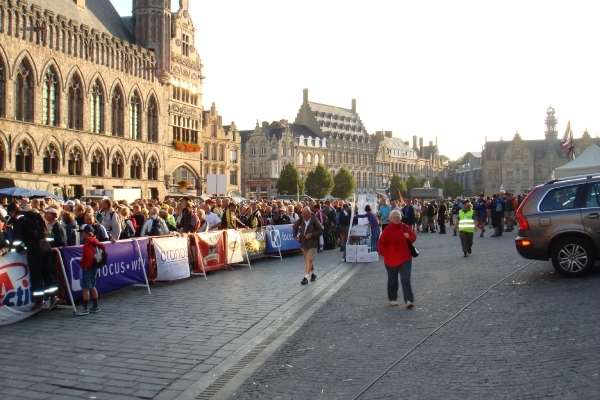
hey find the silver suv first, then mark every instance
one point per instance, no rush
(561, 220)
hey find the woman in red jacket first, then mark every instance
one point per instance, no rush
(397, 258)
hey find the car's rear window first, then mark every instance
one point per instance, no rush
(559, 199)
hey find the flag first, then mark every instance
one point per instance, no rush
(400, 196)
(567, 141)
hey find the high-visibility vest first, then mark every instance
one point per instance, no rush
(465, 221)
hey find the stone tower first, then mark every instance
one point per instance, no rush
(152, 29)
(551, 121)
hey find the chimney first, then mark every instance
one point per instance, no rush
(414, 142)
(265, 124)
(80, 3)
(388, 134)
(353, 105)
(305, 98)
(421, 143)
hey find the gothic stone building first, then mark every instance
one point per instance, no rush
(92, 100)
(269, 147)
(519, 165)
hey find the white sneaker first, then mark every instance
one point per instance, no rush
(393, 303)
(409, 304)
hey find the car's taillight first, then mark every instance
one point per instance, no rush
(521, 219)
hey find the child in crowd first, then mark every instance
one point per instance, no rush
(89, 270)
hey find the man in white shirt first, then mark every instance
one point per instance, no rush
(213, 220)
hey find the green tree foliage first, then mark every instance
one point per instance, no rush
(396, 185)
(458, 189)
(319, 182)
(437, 183)
(344, 184)
(449, 188)
(289, 181)
(422, 182)
(412, 183)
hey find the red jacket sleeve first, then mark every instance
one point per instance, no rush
(87, 255)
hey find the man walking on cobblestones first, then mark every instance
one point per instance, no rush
(307, 230)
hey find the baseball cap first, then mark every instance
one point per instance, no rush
(69, 203)
(210, 201)
(86, 228)
(13, 207)
(51, 211)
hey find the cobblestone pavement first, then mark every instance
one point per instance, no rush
(533, 335)
(173, 343)
(260, 334)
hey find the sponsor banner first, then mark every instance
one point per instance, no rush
(255, 242)
(16, 298)
(123, 266)
(363, 200)
(171, 257)
(233, 249)
(212, 250)
(281, 236)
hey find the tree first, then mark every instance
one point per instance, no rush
(422, 182)
(449, 188)
(437, 183)
(458, 189)
(289, 181)
(319, 182)
(396, 185)
(412, 183)
(344, 184)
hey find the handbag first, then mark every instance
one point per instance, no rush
(413, 250)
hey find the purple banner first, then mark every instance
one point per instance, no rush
(123, 267)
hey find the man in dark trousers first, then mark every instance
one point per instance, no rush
(408, 213)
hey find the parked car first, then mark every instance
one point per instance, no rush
(560, 220)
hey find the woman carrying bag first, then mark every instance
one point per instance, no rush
(396, 252)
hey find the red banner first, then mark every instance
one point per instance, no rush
(212, 250)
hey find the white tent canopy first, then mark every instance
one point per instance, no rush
(587, 163)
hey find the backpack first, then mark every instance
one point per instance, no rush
(155, 228)
(121, 221)
(499, 207)
(35, 226)
(455, 208)
(100, 257)
(129, 230)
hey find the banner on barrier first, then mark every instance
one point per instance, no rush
(255, 242)
(123, 266)
(212, 250)
(233, 249)
(171, 258)
(16, 298)
(281, 236)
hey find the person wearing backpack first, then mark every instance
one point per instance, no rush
(111, 220)
(155, 226)
(130, 224)
(93, 257)
(497, 212)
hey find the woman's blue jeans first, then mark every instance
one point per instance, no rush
(375, 231)
(392, 286)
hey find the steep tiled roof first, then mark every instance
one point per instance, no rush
(303, 130)
(97, 14)
(337, 119)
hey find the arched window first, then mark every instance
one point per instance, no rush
(309, 159)
(153, 120)
(213, 170)
(300, 159)
(221, 153)
(136, 167)
(24, 90)
(97, 164)
(118, 110)
(97, 108)
(283, 149)
(2, 157)
(152, 169)
(317, 159)
(135, 114)
(75, 103)
(116, 165)
(50, 98)
(51, 159)
(2, 89)
(75, 164)
(213, 152)
(24, 157)
(221, 171)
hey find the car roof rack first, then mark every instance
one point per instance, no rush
(572, 178)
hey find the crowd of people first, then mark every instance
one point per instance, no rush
(43, 224)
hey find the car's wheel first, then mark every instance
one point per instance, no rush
(573, 257)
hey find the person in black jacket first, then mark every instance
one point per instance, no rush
(442, 217)
(58, 235)
(408, 213)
